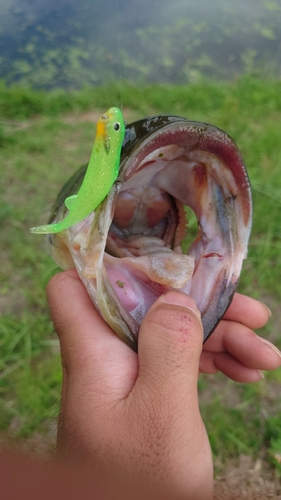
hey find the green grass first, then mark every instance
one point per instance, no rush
(44, 138)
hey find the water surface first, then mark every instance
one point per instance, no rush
(68, 43)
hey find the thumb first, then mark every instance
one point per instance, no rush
(170, 344)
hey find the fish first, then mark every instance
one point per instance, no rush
(129, 250)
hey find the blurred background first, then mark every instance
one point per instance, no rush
(63, 63)
(68, 43)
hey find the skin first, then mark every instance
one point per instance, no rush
(101, 173)
(130, 425)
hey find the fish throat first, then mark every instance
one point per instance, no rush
(149, 224)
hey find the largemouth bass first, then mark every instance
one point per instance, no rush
(129, 250)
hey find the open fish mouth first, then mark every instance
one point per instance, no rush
(129, 251)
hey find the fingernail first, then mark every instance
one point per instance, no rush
(267, 308)
(181, 299)
(269, 344)
(261, 374)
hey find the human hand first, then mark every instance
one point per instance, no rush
(235, 349)
(134, 415)
(102, 378)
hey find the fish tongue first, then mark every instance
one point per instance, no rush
(167, 268)
(158, 262)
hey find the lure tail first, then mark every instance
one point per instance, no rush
(49, 228)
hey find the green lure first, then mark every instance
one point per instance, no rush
(101, 173)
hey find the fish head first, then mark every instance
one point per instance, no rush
(129, 251)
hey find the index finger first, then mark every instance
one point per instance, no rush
(86, 339)
(247, 311)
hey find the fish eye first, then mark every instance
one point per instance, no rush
(116, 126)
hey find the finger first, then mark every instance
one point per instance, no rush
(170, 343)
(244, 345)
(212, 363)
(247, 311)
(88, 344)
(72, 311)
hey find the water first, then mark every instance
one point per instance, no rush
(65, 43)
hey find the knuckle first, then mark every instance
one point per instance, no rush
(175, 339)
(184, 325)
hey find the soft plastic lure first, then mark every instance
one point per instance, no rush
(101, 173)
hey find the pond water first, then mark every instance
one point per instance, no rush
(65, 43)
